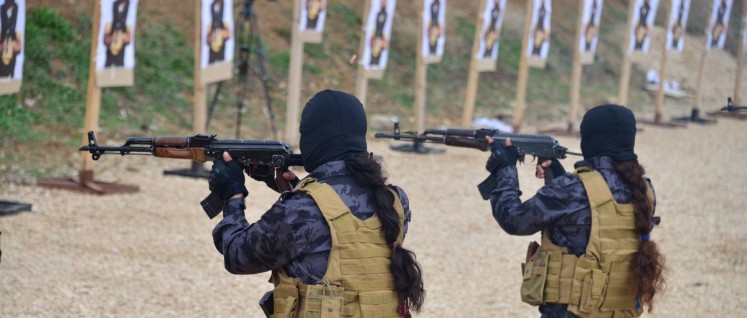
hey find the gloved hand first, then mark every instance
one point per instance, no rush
(553, 164)
(227, 178)
(501, 156)
(267, 175)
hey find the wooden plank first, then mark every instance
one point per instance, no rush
(740, 59)
(662, 75)
(521, 88)
(472, 79)
(199, 109)
(93, 95)
(576, 70)
(361, 81)
(421, 73)
(294, 79)
(626, 63)
(699, 81)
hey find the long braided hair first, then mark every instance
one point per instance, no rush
(648, 262)
(408, 275)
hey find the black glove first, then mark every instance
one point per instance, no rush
(267, 175)
(227, 179)
(556, 168)
(501, 156)
(553, 171)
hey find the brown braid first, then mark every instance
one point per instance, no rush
(648, 263)
(408, 275)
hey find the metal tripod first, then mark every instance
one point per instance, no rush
(245, 44)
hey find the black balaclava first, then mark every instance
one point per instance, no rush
(608, 130)
(333, 127)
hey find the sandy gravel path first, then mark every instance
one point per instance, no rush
(150, 254)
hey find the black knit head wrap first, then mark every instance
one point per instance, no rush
(333, 127)
(608, 130)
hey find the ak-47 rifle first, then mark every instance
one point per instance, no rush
(201, 148)
(544, 147)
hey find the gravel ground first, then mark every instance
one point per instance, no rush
(150, 253)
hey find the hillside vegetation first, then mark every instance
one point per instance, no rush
(41, 127)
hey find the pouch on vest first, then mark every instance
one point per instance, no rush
(287, 301)
(592, 290)
(533, 285)
(323, 301)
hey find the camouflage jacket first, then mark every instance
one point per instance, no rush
(560, 206)
(293, 233)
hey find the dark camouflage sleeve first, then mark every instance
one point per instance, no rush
(405, 205)
(650, 184)
(552, 203)
(287, 230)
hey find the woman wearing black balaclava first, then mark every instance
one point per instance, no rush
(334, 243)
(597, 257)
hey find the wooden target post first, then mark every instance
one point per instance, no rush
(361, 81)
(421, 78)
(484, 51)
(694, 116)
(421, 75)
(473, 76)
(740, 58)
(657, 121)
(295, 73)
(199, 102)
(421, 68)
(733, 109)
(576, 72)
(521, 88)
(294, 79)
(626, 63)
(373, 52)
(421, 72)
(85, 181)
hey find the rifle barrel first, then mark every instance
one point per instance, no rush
(412, 137)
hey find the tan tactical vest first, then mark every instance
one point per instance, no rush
(358, 282)
(600, 282)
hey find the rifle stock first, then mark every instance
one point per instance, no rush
(201, 148)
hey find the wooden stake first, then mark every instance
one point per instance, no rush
(294, 79)
(199, 109)
(361, 81)
(473, 77)
(421, 73)
(699, 81)
(93, 99)
(662, 75)
(625, 73)
(576, 70)
(740, 60)
(85, 182)
(521, 89)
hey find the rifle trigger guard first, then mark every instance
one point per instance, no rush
(278, 161)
